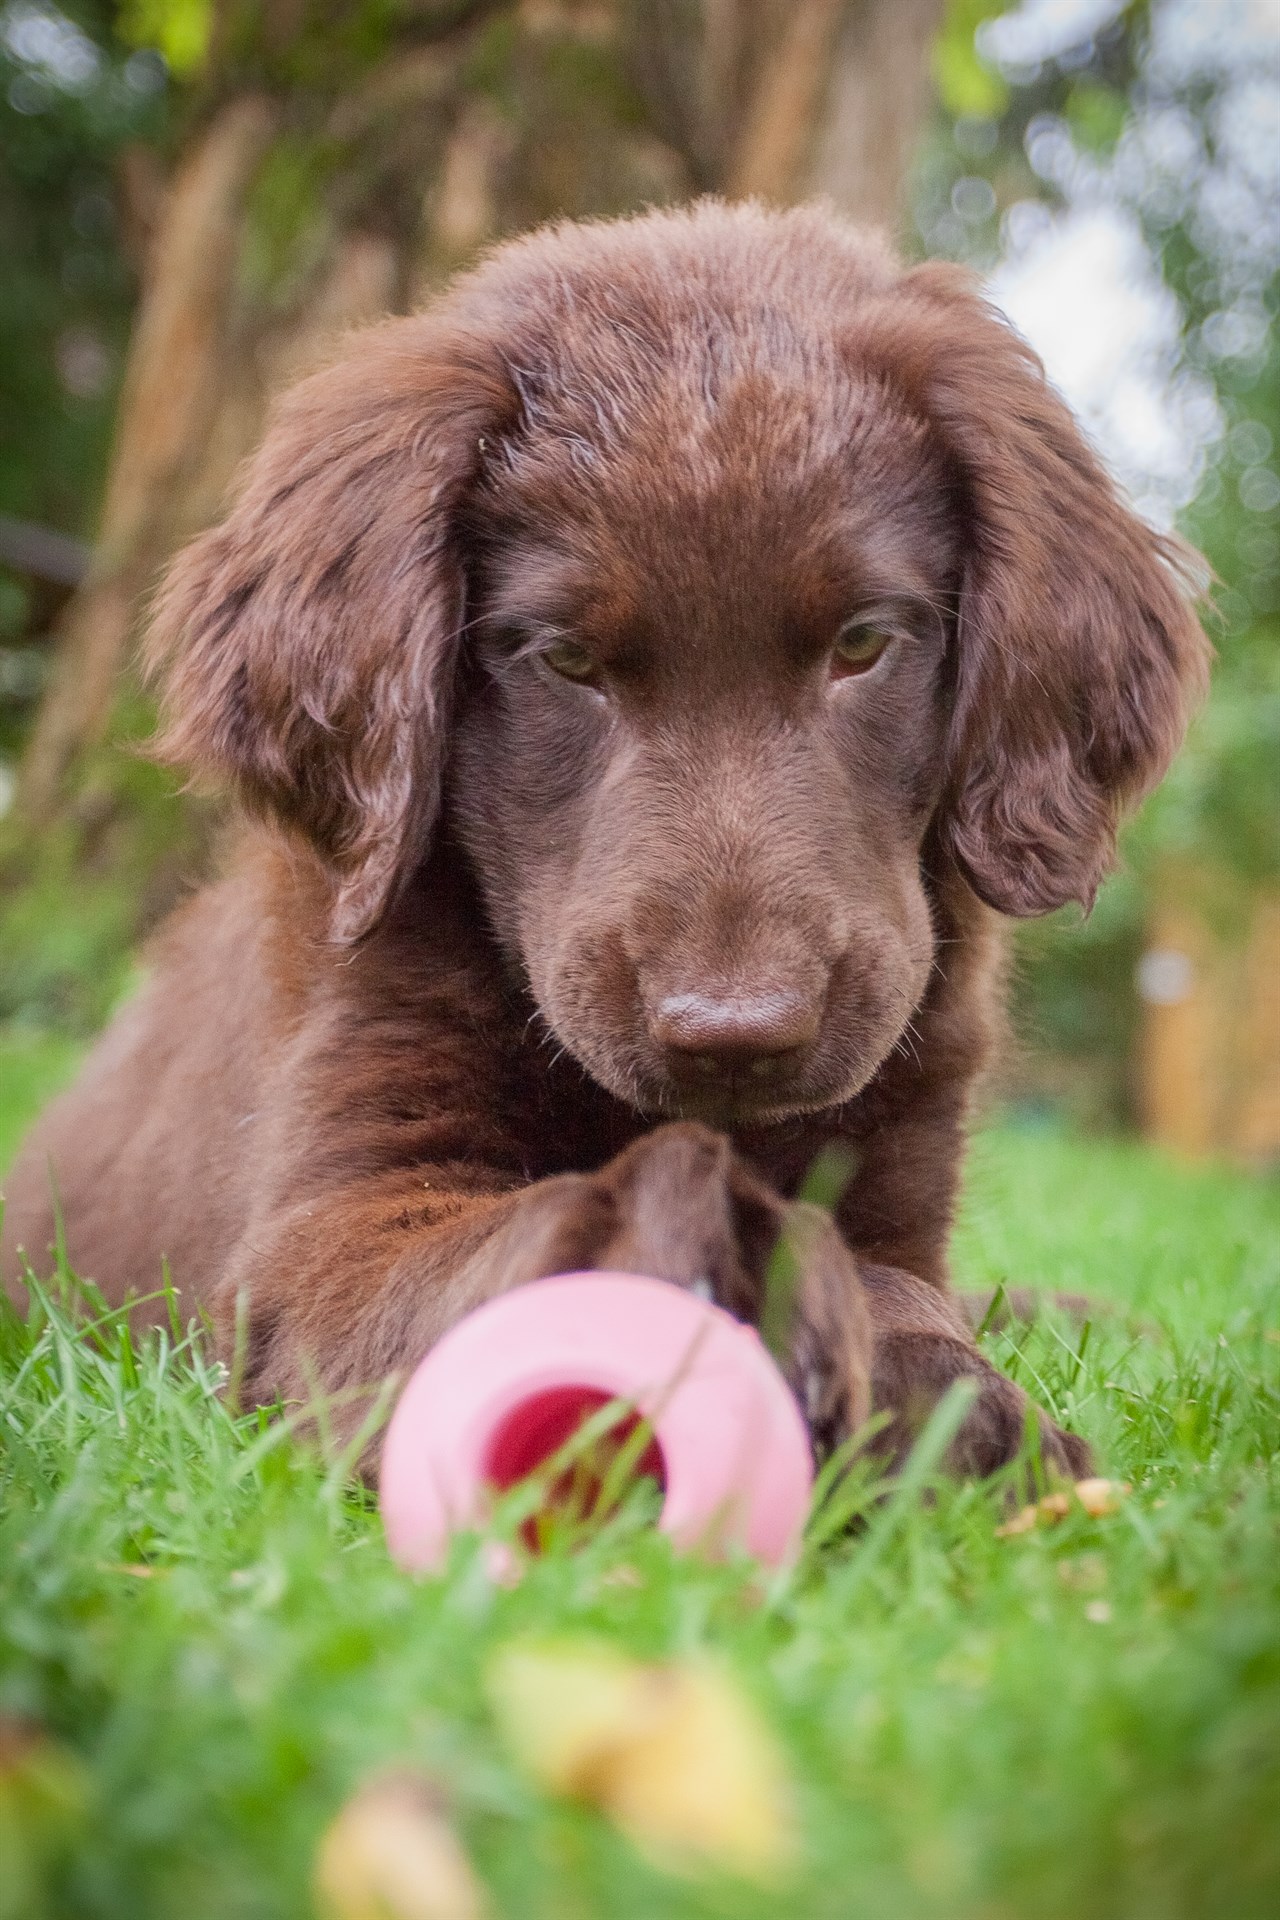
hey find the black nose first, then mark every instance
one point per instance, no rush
(756, 1034)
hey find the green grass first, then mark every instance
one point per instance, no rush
(1083, 1720)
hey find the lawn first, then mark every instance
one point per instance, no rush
(1080, 1719)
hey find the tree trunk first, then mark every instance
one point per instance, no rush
(167, 411)
(1208, 1058)
(879, 94)
(267, 246)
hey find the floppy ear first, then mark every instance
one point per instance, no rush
(1079, 655)
(307, 644)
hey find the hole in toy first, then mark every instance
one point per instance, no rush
(537, 1428)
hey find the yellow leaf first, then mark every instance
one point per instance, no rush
(564, 1707)
(391, 1855)
(676, 1755)
(1022, 1522)
(706, 1783)
(1095, 1496)
(1100, 1496)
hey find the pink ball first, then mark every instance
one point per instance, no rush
(507, 1386)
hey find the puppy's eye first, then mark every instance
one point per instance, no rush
(570, 660)
(858, 647)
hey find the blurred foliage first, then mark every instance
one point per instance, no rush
(82, 112)
(177, 29)
(1111, 120)
(968, 86)
(86, 117)
(73, 100)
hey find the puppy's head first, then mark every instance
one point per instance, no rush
(700, 566)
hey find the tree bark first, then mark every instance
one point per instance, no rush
(877, 98)
(778, 126)
(167, 408)
(1208, 1056)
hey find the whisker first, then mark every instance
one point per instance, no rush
(907, 1040)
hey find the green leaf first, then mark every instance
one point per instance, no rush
(967, 87)
(178, 28)
(1096, 114)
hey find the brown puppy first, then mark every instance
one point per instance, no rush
(656, 665)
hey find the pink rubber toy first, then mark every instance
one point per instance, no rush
(507, 1386)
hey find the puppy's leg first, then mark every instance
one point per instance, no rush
(922, 1343)
(688, 1208)
(681, 1205)
(339, 1289)
(684, 1210)
(831, 1335)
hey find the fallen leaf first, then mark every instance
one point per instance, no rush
(564, 1708)
(391, 1854)
(707, 1782)
(1098, 1497)
(1022, 1522)
(676, 1755)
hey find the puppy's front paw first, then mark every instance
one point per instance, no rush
(912, 1372)
(829, 1336)
(689, 1209)
(686, 1209)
